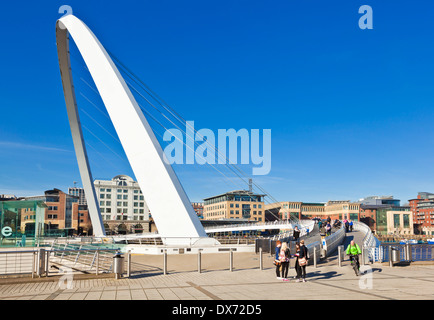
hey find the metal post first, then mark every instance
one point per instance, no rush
(315, 257)
(199, 262)
(390, 257)
(97, 262)
(165, 262)
(407, 252)
(340, 256)
(41, 262)
(128, 263)
(261, 265)
(34, 255)
(231, 260)
(47, 263)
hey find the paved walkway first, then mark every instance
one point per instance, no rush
(245, 282)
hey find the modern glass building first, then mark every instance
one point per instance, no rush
(22, 223)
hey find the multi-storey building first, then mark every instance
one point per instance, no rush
(342, 209)
(63, 213)
(308, 210)
(385, 219)
(122, 204)
(380, 200)
(284, 210)
(239, 204)
(78, 192)
(422, 208)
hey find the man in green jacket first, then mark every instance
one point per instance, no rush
(353, 250)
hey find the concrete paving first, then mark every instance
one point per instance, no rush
(245, 282)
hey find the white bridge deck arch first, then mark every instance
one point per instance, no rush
(171, 209)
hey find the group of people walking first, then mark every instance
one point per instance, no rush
(348, 225)
(282, 260)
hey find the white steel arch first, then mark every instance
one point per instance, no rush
(170, 207)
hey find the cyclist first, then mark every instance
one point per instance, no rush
(353, 250)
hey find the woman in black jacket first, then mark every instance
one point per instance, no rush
(301, 254)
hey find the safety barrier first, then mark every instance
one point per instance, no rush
(43, 261)
(372, 249)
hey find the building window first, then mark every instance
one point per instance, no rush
(406, 218)
(396, 220)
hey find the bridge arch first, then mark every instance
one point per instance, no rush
(164, 194)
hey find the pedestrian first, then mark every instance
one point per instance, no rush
(284, 260)
(301, 261)
(328, 229)
(347, 226)
(277, 262)
(351, 225)
(296, 233)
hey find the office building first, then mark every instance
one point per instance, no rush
(422, 209)
(380, 200)
(63, 215)
(122, 204)
(341, 209)
(239, 204)
(78, 192)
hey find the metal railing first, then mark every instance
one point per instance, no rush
(43, 262)
(371, 245)
(408, 252)
(17, 262)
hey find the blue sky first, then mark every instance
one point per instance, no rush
(351, 110)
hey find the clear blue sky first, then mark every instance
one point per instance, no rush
(351, 110)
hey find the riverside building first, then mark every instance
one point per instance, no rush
(422, 209)
(238, 204)
(122, 204)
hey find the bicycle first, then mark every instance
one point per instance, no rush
(354, 258)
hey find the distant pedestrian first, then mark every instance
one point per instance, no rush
(328, 229)
(347, 225)
(296, 233)
(351, 225)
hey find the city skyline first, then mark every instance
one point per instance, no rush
(349, 109)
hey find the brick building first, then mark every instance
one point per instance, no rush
(422, 208)
(64, 215)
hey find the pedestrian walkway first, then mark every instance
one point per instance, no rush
(245, 282)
